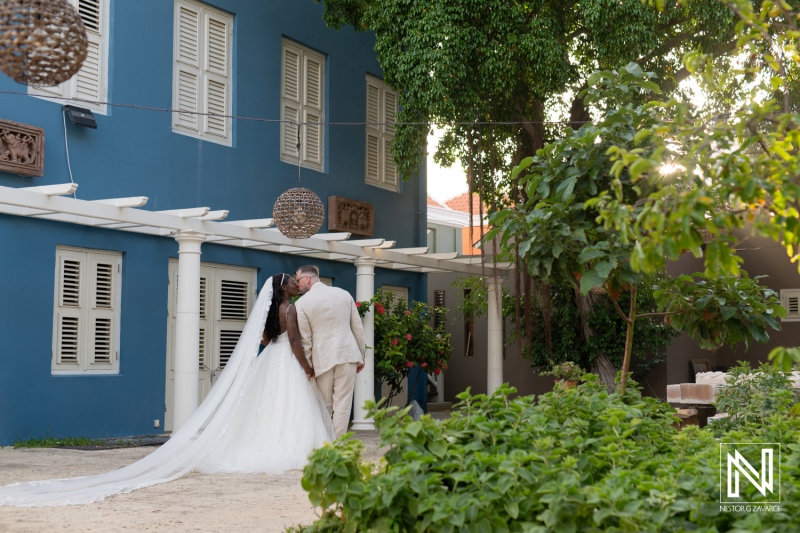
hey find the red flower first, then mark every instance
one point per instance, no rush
(408, 312)
(439, 363)
(408, 337)
(424, 365)
(394, 342)
(358, 304)
(410, 364)
(437, 371)
(379, 309)
(441, 352)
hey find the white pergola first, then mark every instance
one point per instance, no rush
(192, 227)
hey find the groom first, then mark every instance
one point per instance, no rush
(333, 340)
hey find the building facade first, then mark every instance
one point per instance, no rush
(88, 312)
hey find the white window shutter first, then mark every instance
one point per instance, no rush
(86, 321)
(290, 99)
(302, 100)
(233, 289)
(389, 169)
(381, 113)
(89, 79)
(373, 158)
(102, 334)
(790, 300)
(217, 74)
(68, 336)
(312, 145)
(389, 110)
(187, 67)
(312, 73)
(69, 301)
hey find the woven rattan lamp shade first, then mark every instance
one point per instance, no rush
(42, 42)
(298, 213)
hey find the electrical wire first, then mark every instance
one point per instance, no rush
(279, 121)
(66, 149)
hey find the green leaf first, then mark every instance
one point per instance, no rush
(590, 280)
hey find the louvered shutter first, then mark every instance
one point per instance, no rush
(233, 301)
(86, 328)
(373, 133)
(302, 100)
(102, 332)
(290, 99)
(389, 112)
(186, 95)
(89, 79)
(380, 169)
(217, 46)
(69, 303)
(312, 96)
(790, 300)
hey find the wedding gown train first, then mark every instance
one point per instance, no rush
(262, 415)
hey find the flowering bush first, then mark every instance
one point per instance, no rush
(568, 371)
(404, 339)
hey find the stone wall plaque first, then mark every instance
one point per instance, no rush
(21, 149)
(355, 217)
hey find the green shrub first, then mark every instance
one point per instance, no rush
(750, 397)
(576, 460)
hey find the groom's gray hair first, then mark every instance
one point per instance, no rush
(310, 270)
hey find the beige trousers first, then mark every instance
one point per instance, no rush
(336, 386)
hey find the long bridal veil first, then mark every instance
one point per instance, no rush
(187, 447)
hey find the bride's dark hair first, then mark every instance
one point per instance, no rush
(273, 326)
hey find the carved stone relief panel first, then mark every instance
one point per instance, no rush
(21, 149)
(355, 217)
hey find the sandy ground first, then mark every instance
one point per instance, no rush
(196, 502)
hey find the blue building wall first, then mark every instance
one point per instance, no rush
(134, 152)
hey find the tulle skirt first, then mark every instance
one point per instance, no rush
(280, 420)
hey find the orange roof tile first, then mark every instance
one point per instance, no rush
(434, 202)
(461, 203)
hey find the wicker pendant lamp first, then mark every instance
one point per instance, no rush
(298, 213)
(42, 42)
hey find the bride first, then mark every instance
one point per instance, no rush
(264, 414)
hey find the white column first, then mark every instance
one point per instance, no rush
(187, 328)
(494, 370)
(365, 380)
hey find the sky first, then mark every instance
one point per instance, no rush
(443, 183)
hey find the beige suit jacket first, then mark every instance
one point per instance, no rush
(330, 327)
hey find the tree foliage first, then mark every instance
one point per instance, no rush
(512, 62)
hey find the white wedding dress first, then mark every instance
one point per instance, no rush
(262, 415)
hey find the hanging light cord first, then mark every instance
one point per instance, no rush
(66, 148)
(298, 153)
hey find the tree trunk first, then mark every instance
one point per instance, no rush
(603, 366)
(626, 359)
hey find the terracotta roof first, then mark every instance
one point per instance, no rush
(461, 203)
(434, 202)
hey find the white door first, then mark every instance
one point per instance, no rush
(226, 296)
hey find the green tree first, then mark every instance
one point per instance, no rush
(495, 72)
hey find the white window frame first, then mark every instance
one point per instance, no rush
(302, 101)
(381, 110)
(86, 84)
(786, 296)
(85, 308)
(201, 81)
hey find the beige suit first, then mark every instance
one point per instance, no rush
(333, 341)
